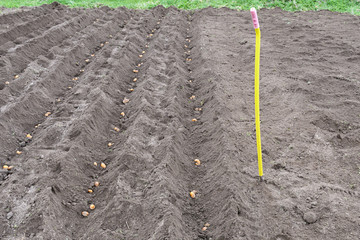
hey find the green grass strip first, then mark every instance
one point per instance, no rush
(349, 6)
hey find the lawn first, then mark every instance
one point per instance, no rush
(350, 6)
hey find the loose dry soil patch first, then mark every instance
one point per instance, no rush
(65, 75)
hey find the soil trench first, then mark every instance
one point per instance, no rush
(139, 124)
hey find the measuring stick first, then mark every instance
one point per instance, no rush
(257, 98)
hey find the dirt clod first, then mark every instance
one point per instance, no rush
(310, 217)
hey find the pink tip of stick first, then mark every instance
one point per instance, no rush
(254, 18)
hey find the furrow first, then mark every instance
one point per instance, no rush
(16, 58)
(19, 17)
(219, 179)
(21, 32)
(81, 112)
(146, 92)
(152, 156)
(41, 95)
(195, 102)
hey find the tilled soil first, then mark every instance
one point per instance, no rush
(65, 74)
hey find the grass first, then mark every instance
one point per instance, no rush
(349, 6)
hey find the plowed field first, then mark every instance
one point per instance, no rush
(147, 92)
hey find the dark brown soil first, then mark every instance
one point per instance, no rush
(310, 111)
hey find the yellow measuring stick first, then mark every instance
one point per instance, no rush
(257, 97)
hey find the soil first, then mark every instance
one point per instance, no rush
(77, 64)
